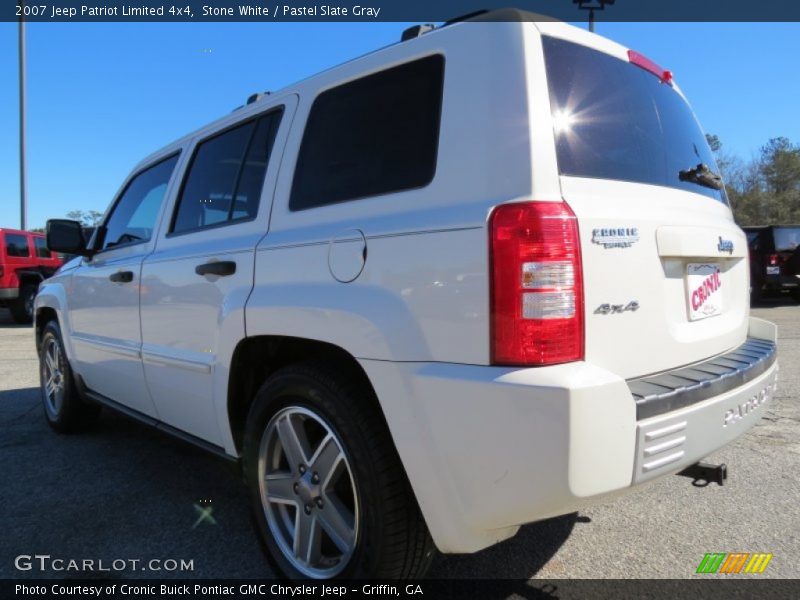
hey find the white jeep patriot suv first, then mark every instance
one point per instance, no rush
(480, 277)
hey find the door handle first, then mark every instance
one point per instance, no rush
(121, 277)
(221, 268)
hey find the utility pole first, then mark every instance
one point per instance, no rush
(591, 6)
(23, 192)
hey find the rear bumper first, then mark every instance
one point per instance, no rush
(782, 282)
(9, 293)
(487, 449)
(671, 441)
(667, 392)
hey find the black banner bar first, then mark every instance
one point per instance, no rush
(703, 587)
(391, 10)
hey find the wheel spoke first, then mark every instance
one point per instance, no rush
(48, 359)
(326, 459)
(338, 523)
(307, 538)
(279, 488)
(294, 442)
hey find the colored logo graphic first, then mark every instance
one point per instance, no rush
(734, 562)
(204, 513)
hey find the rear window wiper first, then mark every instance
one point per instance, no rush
(702, 175)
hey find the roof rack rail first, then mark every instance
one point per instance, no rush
(416, 31)
(252, 98)
(467, 16)
(256, 97)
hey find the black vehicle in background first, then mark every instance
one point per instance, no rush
(774, 260)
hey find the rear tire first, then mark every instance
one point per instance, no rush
(756, 295)
(64, 409)
(22, 307)
(375, 529)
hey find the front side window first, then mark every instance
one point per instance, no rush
(134, 216)
(17, 245)
(226, 176)
(375, 135)
(41, 247)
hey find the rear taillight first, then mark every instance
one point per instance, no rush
(774, 259)
(537, 284)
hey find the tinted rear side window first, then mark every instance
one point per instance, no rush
(226, 176)
(615, 120)
(41, 247)
(786, 238)
(17, 245)
(375, 135)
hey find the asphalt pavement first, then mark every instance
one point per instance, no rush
(125, 492)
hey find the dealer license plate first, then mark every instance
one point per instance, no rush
(704, 290)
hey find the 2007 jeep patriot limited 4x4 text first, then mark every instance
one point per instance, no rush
(481, 277)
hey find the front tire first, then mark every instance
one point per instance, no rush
(64, 409)
(22, 307)
(329, 494)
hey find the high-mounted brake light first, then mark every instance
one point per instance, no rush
(537, 284)
(640, 60)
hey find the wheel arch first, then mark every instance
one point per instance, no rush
(49, 306)
(41, 318)
(256, 358)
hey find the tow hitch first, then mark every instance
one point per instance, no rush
(705, 473)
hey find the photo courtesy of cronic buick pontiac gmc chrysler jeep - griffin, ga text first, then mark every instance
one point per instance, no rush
(480, 277)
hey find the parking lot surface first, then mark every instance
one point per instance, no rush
(123, 491)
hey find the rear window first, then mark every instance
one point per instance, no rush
(375, 135)
(786, 238)
(615, 120)
(17, 245)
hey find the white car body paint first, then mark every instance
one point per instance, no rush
(401, 282)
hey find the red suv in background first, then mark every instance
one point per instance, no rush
(25, 262)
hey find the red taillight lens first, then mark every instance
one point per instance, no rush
(774, 259)
(537, 284)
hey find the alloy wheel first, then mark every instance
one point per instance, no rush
(308, 492)
(53, 384)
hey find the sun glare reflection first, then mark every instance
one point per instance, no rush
(563, 120)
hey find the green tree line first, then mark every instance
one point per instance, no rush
(764, 190)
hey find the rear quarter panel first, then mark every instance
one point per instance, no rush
(423, 292)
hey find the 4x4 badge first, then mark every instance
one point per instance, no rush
(615, 237)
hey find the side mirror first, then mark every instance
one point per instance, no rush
(66, 236)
